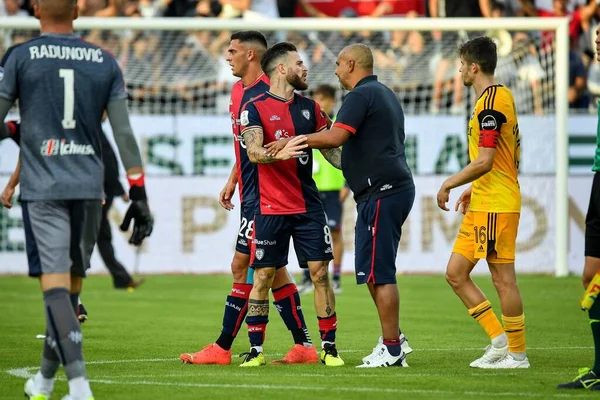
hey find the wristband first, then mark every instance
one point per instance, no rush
(137, 188)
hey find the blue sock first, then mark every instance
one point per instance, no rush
(236, 307)
(287, 302)
(393, 346)
(257, 325)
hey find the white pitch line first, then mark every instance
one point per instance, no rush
(27, 372)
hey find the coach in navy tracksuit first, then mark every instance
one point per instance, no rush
(370, 126)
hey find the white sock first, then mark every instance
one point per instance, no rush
(500, 341)
(257, 348)
(44, 385)
(79, 388)
(324, 343)
(518, 356)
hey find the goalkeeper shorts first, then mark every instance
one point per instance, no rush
(492, 236)
(592, 221)
(60, 235)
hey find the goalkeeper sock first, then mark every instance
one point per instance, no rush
(64, 331)
(515, 332)
(287, 303)
(236, 307)
(594, 315)
(486, 317)
(327, 328)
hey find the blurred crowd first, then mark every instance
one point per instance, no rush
(186, 72)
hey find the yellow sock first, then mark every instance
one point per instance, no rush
(515, 331)
(486, 317)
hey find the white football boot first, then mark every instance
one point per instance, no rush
(492, 354)
(508, 362)
(381, 357)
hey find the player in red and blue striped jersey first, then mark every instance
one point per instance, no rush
(289, 205)
(244, 55)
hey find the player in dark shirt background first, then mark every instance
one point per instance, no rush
(289, 205)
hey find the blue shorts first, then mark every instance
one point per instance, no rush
(244, 237)
(272, 233)
(333, 209)
(378, 232)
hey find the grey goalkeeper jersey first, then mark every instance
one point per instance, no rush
(63, 85)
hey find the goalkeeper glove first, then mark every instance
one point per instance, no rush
(139, 211)
(591, 293)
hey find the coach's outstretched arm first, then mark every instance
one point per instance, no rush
(253, 137)
(139, 211)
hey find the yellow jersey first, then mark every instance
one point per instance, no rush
(494, 124)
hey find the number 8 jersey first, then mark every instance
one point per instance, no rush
(63, 85)
(494, 125)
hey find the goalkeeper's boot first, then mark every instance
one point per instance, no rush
(383, 358)
(299, 354)
(508, 362)
(38, 388)
(82, 314)
(253, 359)
(330, 357)
(210, 354)
(492, 354)
(586, 379)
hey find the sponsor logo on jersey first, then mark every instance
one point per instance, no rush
(385, 187)
(306, 114)
(265, 242)
(274, 118)
(60, 147)
(489, 123)
(281, 134)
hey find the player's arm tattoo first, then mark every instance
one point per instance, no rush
(334, 156)
(258, 308)
(254, 138)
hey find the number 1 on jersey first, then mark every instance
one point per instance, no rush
(69, 103)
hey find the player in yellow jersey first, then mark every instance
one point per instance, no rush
(492, 206)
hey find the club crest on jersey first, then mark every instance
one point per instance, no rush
(259, 253)
(244, 121)
(306, 114)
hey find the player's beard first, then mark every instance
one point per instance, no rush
(297, 82)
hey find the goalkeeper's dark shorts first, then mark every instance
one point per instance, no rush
(592, 221)
(60, 235)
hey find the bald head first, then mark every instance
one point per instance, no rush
(56, 10)
(360, 54)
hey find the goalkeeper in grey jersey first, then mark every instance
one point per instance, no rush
(63, 85)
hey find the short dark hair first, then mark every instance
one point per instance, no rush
(481, 51)
(272, 56)
(250, 37)
(325, 90)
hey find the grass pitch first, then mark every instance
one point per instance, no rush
(132, 342)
